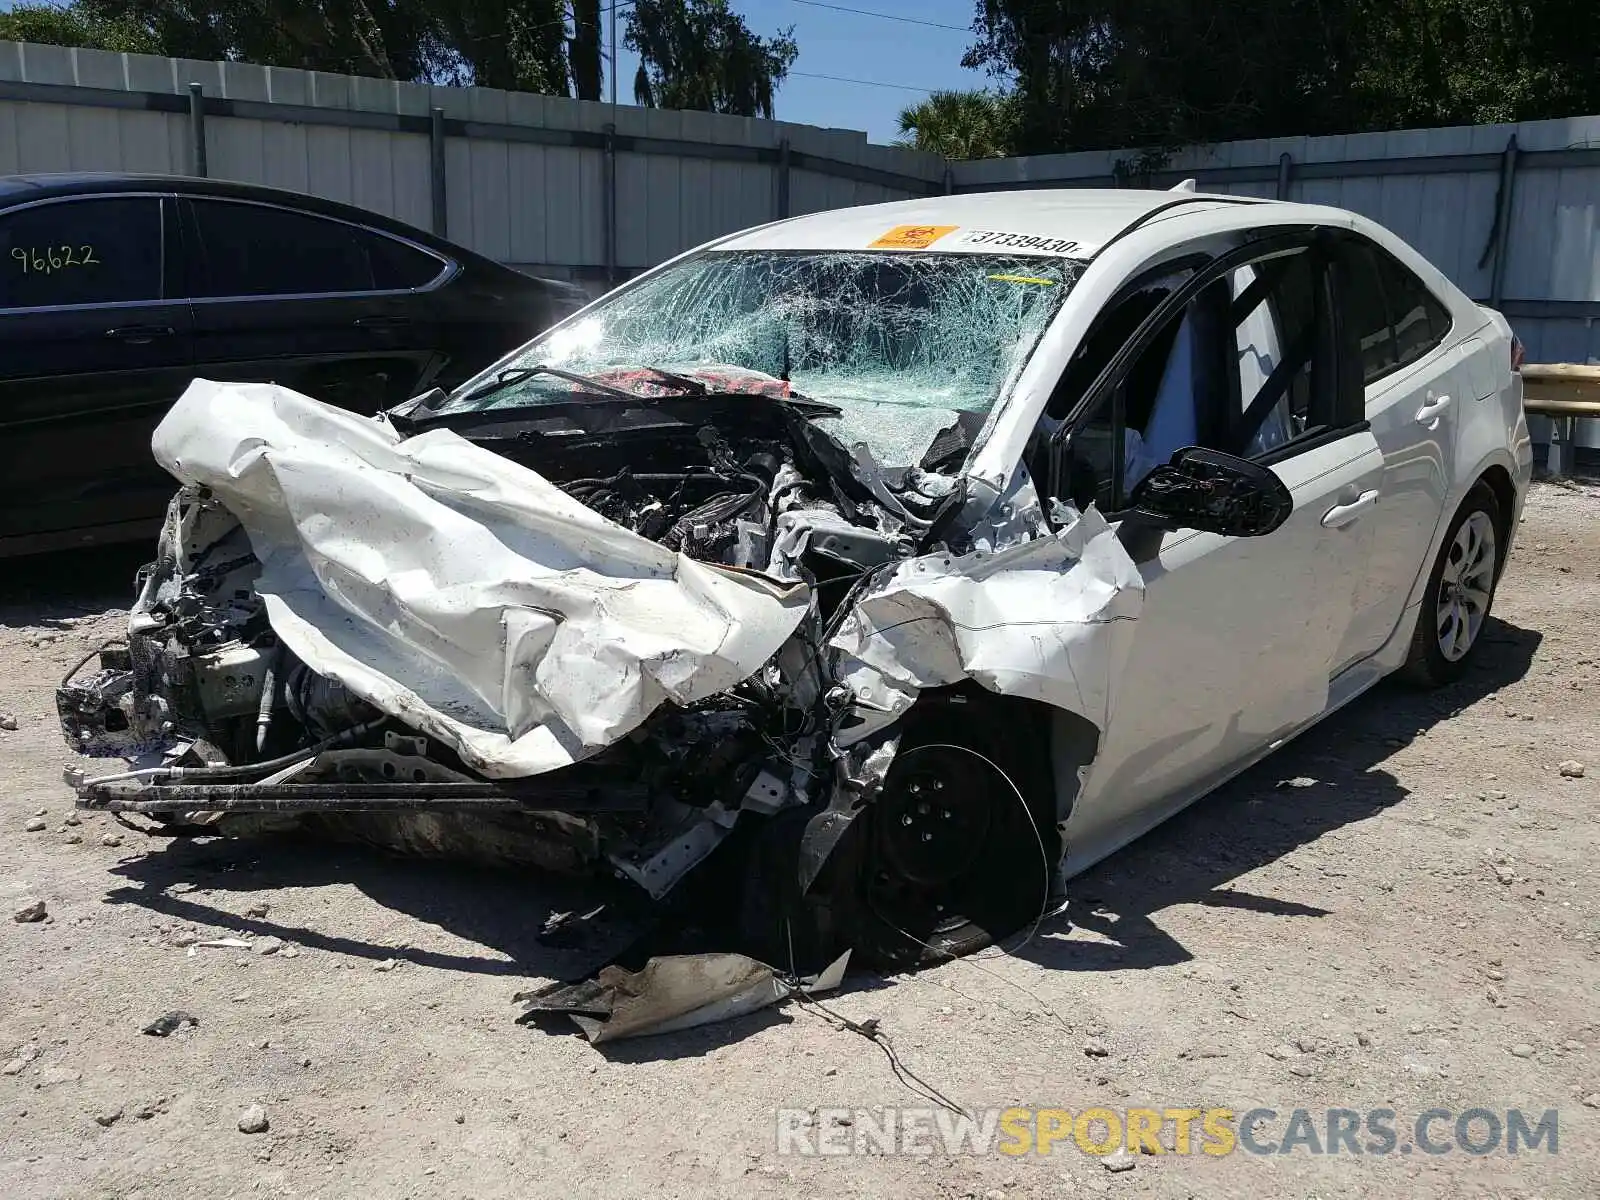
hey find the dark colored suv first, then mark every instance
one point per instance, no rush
(117, 290)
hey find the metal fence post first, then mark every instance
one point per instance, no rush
(441, 203)
(783, 179)
(949, 179)
(1285, 172)
(611, 203)
(1503, 215)
(197, 130)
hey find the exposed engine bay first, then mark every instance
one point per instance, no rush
(703, 620)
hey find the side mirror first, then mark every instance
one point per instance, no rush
(1214, 493)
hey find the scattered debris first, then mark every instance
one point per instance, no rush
(1592, 1100)
(168, 1023)
(151, 1108)
(254, 1120)
(258, 910)
(672, 992)
(111, 839)
(8, 721)
(1571, 769)
(31, 912)
(267, 945)
(223, 944)
(1522, 1050)
(25, 1054)
(1095, 1048)
(1299, 781)
(35, 825)
(1119, 1160)
(108, 1117)
(387, 964)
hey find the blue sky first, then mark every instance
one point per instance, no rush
(850, 45)
(862, 47)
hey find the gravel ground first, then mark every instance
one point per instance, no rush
(1413, 925)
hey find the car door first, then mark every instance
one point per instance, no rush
(95, 344)
(1238, 637)
(323, 306)
(1415, 390)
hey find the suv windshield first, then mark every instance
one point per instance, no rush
(900, 342)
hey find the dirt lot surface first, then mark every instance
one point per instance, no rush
(1413, 924)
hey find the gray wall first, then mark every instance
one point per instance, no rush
(526, 176)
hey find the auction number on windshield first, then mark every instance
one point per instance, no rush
(46, 260)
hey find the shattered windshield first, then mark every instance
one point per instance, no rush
(901, 343)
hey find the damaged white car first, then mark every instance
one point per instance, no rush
(904, 560)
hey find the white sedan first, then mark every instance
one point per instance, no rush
(909, 558)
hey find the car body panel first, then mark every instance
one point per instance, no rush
(1234, 649)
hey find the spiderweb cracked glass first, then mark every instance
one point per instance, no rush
(901, 341)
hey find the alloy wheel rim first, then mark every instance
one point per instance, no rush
(1465, 586)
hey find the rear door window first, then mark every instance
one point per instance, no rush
(1395, 317)
(1364, 306)
(1420, 321)
(260, 250)
(98, 250)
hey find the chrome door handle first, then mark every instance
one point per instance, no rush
(1341, 515)
(1432, 410)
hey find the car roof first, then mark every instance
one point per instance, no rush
(17, 189)
(1066, 222)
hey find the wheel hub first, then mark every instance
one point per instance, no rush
(1465, 586)
(936, 813)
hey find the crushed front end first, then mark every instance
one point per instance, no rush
(603, 638)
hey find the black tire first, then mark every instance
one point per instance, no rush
(1427, 664)
(946, 873)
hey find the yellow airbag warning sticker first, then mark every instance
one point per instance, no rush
(912, 237)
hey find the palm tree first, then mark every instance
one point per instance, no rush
(960, 125)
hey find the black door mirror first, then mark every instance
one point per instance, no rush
(1214, 493)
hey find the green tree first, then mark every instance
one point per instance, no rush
(73, 26)
(961, 125)
(699, 54)
(1102, 74)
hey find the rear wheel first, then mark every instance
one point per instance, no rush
(1459, 594)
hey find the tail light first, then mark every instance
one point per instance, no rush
(1518, 353)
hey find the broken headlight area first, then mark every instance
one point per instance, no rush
(632, 640)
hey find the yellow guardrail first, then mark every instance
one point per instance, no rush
(1566, 393)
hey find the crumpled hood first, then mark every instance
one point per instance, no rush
(460, 591)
